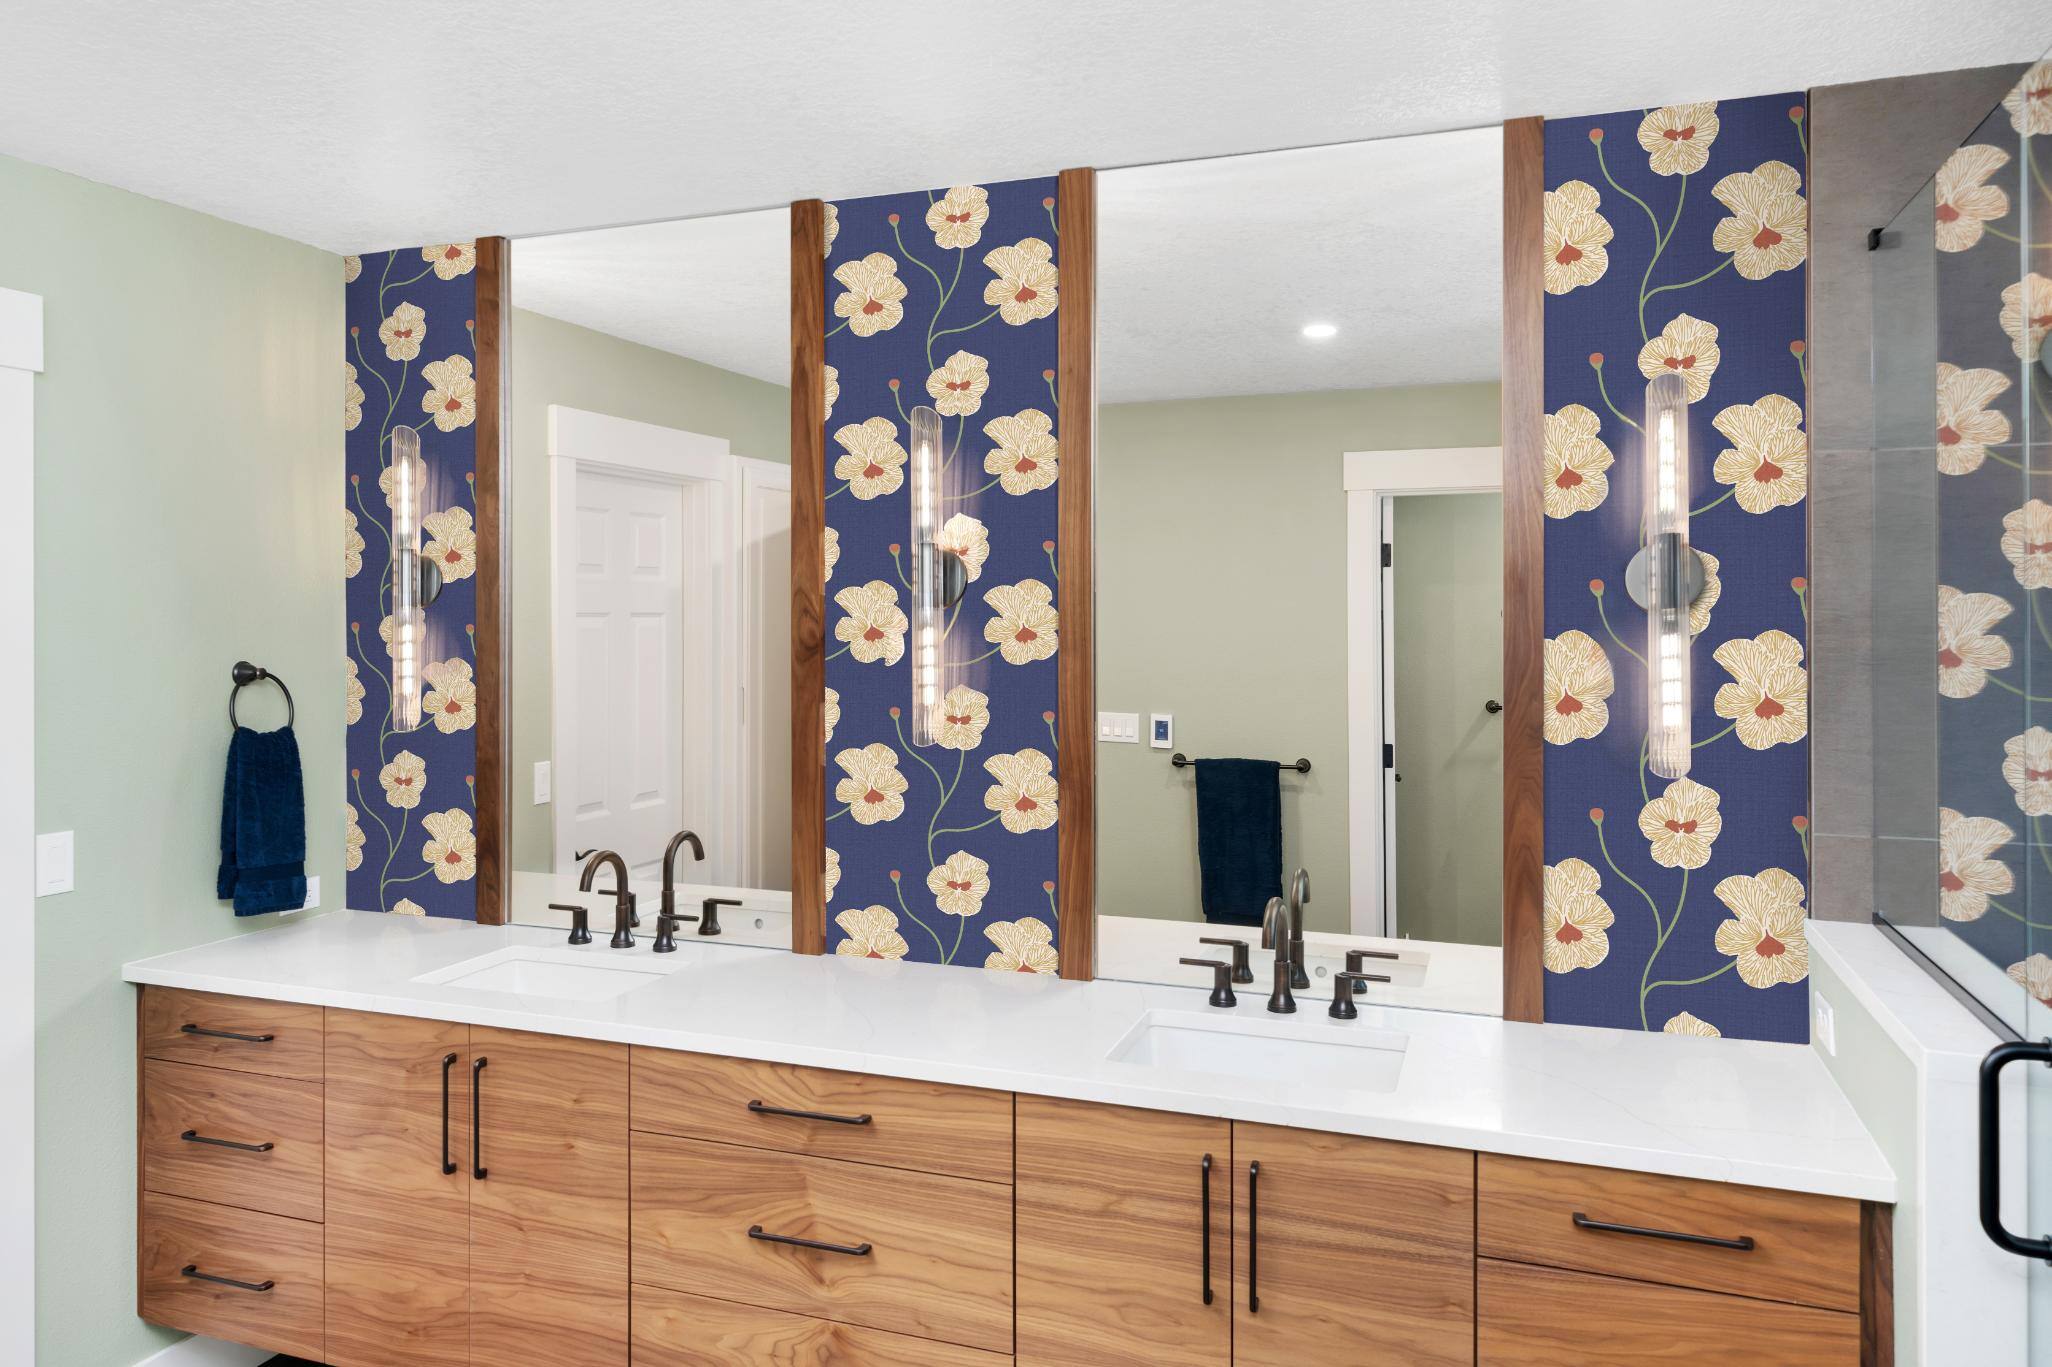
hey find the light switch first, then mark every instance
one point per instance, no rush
(541, 783)
(1161, 731)
(53, 863)
(1825, 1027)
(1122, 728)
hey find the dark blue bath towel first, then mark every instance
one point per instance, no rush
(1239, 838)
(263, 823)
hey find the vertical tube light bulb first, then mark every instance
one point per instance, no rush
(928, 582)
(1670, 578)
(409, 617)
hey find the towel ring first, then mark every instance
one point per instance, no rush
(246, 674)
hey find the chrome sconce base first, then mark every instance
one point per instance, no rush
(1639, 572)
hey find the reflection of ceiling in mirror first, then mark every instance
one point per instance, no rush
(714, 289)
(1210, 270)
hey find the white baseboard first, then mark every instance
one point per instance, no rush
(200, 1352)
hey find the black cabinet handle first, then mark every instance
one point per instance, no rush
(195, 1137)
(1743, 1244)
(477, 1167)
(852, 1250)
(757, 1108)
(448, 1163)
(2000, 1057)
(1253, 1237)
(1205, 1169)
(192, 1270)
(191, 1029)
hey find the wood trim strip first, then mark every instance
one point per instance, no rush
(493, 723)
(1524, 566)
(1877, 1284)
(808, 577)
(1076, 594)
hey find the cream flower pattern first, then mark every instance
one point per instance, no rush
(833, 226)
(1578, 685)
(452, 544)
(1687, 346)
(451, 259)
(1677, 138)
(1576, 462)
(1027, 456)
(964, 713)
(1966, 203)
(970, 542)
(1575, 235)
(874, 627)
(352, 694)
(872, 462)
(1027, 282)
(352, 838)
(1967, 875)
(403, 332)
(832, 376)
(833, 871)
(2029, 102)
(2027, 543)
(403, 780)
(452, 401)
(1766, 935)
(1682, 824)
(1684, 1023)
(959, 885)
(2027, 315)
(2034, 975)
(832, 712)
(1768, 699)
(1023, 946)
(1574, 921)
(1713, 589)
(352, 266)
(1025, 796)
(1026, 627)
(352, 546)
(957, 387)
(451, 850)
(1967, 649)
(2027, 769)
(1768, 461)
(872, 933)
(1769, 227)
(451, 700)
(1967, 427)
(830, 551)
(873, 790)
(957, 218)
(352, 398)
(873, 296)
(406, 906)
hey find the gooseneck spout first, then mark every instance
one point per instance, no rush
(678, 842)
(623, 899)
(1300, 893)
(1277, 930)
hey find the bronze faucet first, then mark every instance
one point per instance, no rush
(623, 900)
(677, 842)
(1276, 933)
(1300, 893)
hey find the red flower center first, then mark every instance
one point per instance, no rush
(452, 857)
(1947, 214)
(1680, 362)
(1948, 436)
(958, 887)
(403, 781)
(873, 634)
(1026, 295)
(402, 332)
(1679, 134)
(1568, 254)
(2037, 547)
(872, 796)
(1766, 237)
(872, 470)
(1568, 705)
(452, 557)
(954, 720)
(1948, 658)
(1026, 465)
(452, 253)
(1766, 472)
(1026, 804)
(1769, 947)
(2041, 320)
(452, 707)
(1768, 709)
(2037, 775)
(453, 406)
(1026, 636)
(1949, 881)
(958, 385)
(871, 306)
(1567, 478)
(959, 218)
(1681, 827)
(1568, 933)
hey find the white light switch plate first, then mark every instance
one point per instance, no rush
(1824, 1024)
(1120, 727)
(1161, 731)
(53, 863)
(541, 783)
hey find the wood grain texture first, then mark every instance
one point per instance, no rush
(940, 1260)
(675, 1330)
(245, 1245)
(247, 1108)
(1877, 1285)
(1076, 593)
(1545, 1317)
(808, 577)
(293, 1051)
(1807, 1248)
(1111, 1236)
(1524, 566)
(494, 733)
(923, 1126)
(548, 1222)
(398, 1234)
(1366, 1251)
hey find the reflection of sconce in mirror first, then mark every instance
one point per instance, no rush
(415, 582)
(1666, 576)
(938, 576)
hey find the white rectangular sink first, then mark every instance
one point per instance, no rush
(1319, 1052)
(559, 974)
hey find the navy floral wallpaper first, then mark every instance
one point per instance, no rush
(944, 853)
(1676, 241)
(411, 804)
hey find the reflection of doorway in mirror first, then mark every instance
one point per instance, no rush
(764, 553)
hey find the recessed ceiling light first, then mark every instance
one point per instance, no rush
(1318, 332)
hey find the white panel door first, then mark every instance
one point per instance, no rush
(764, 540)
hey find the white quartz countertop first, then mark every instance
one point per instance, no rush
(1720, 1110)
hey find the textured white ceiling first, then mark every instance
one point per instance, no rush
(387, 123)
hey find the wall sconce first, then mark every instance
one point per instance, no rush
(415, 582)
(1666, 577)
(938, 576)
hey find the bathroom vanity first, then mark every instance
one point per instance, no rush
(374, 1139)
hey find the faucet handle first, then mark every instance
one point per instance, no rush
(1355, 958)
(709, 918)
(1344, 985)
(666, 932)
(580, 921)
(1241, 972)
(1221, 979)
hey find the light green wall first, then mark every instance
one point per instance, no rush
(1221, 598)
(560, 363)
(188, 514)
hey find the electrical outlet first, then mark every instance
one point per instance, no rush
(313, 893)
(541, 783)
(53, 863)
(1823, 1023)
(1122, 728)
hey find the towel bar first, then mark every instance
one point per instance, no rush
(1302, 766)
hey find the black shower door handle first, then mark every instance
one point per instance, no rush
(2000, 1057)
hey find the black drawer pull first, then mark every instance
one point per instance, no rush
(195, 1137)
(757, 1108)
(190, 1029)
(1253, 1237)
(192, 1270)
(852, 1250)
(477, 1167)
(1743, 1244)
(1204, 1185)
(448, 1163)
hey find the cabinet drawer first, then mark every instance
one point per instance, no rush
(937, 1259)
(924, 1126)
(247, 1034)
(1806, 1249)
(675, 1330)
(279, 1260)
(1545, 1317)
(204, 1132)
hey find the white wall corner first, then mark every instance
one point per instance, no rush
(199, 1352)
(21, 330)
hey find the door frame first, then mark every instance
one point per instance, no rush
(755, 476)
(1368, 477)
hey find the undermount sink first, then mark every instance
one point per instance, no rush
(1310, 1053)
(560, 974)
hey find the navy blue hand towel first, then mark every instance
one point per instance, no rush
(263, 823)
(1239, 838)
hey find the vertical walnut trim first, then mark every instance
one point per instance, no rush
(1877, 1284)
(1524, 567)
(1076, 679)
(493, 720)
(808, 577)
